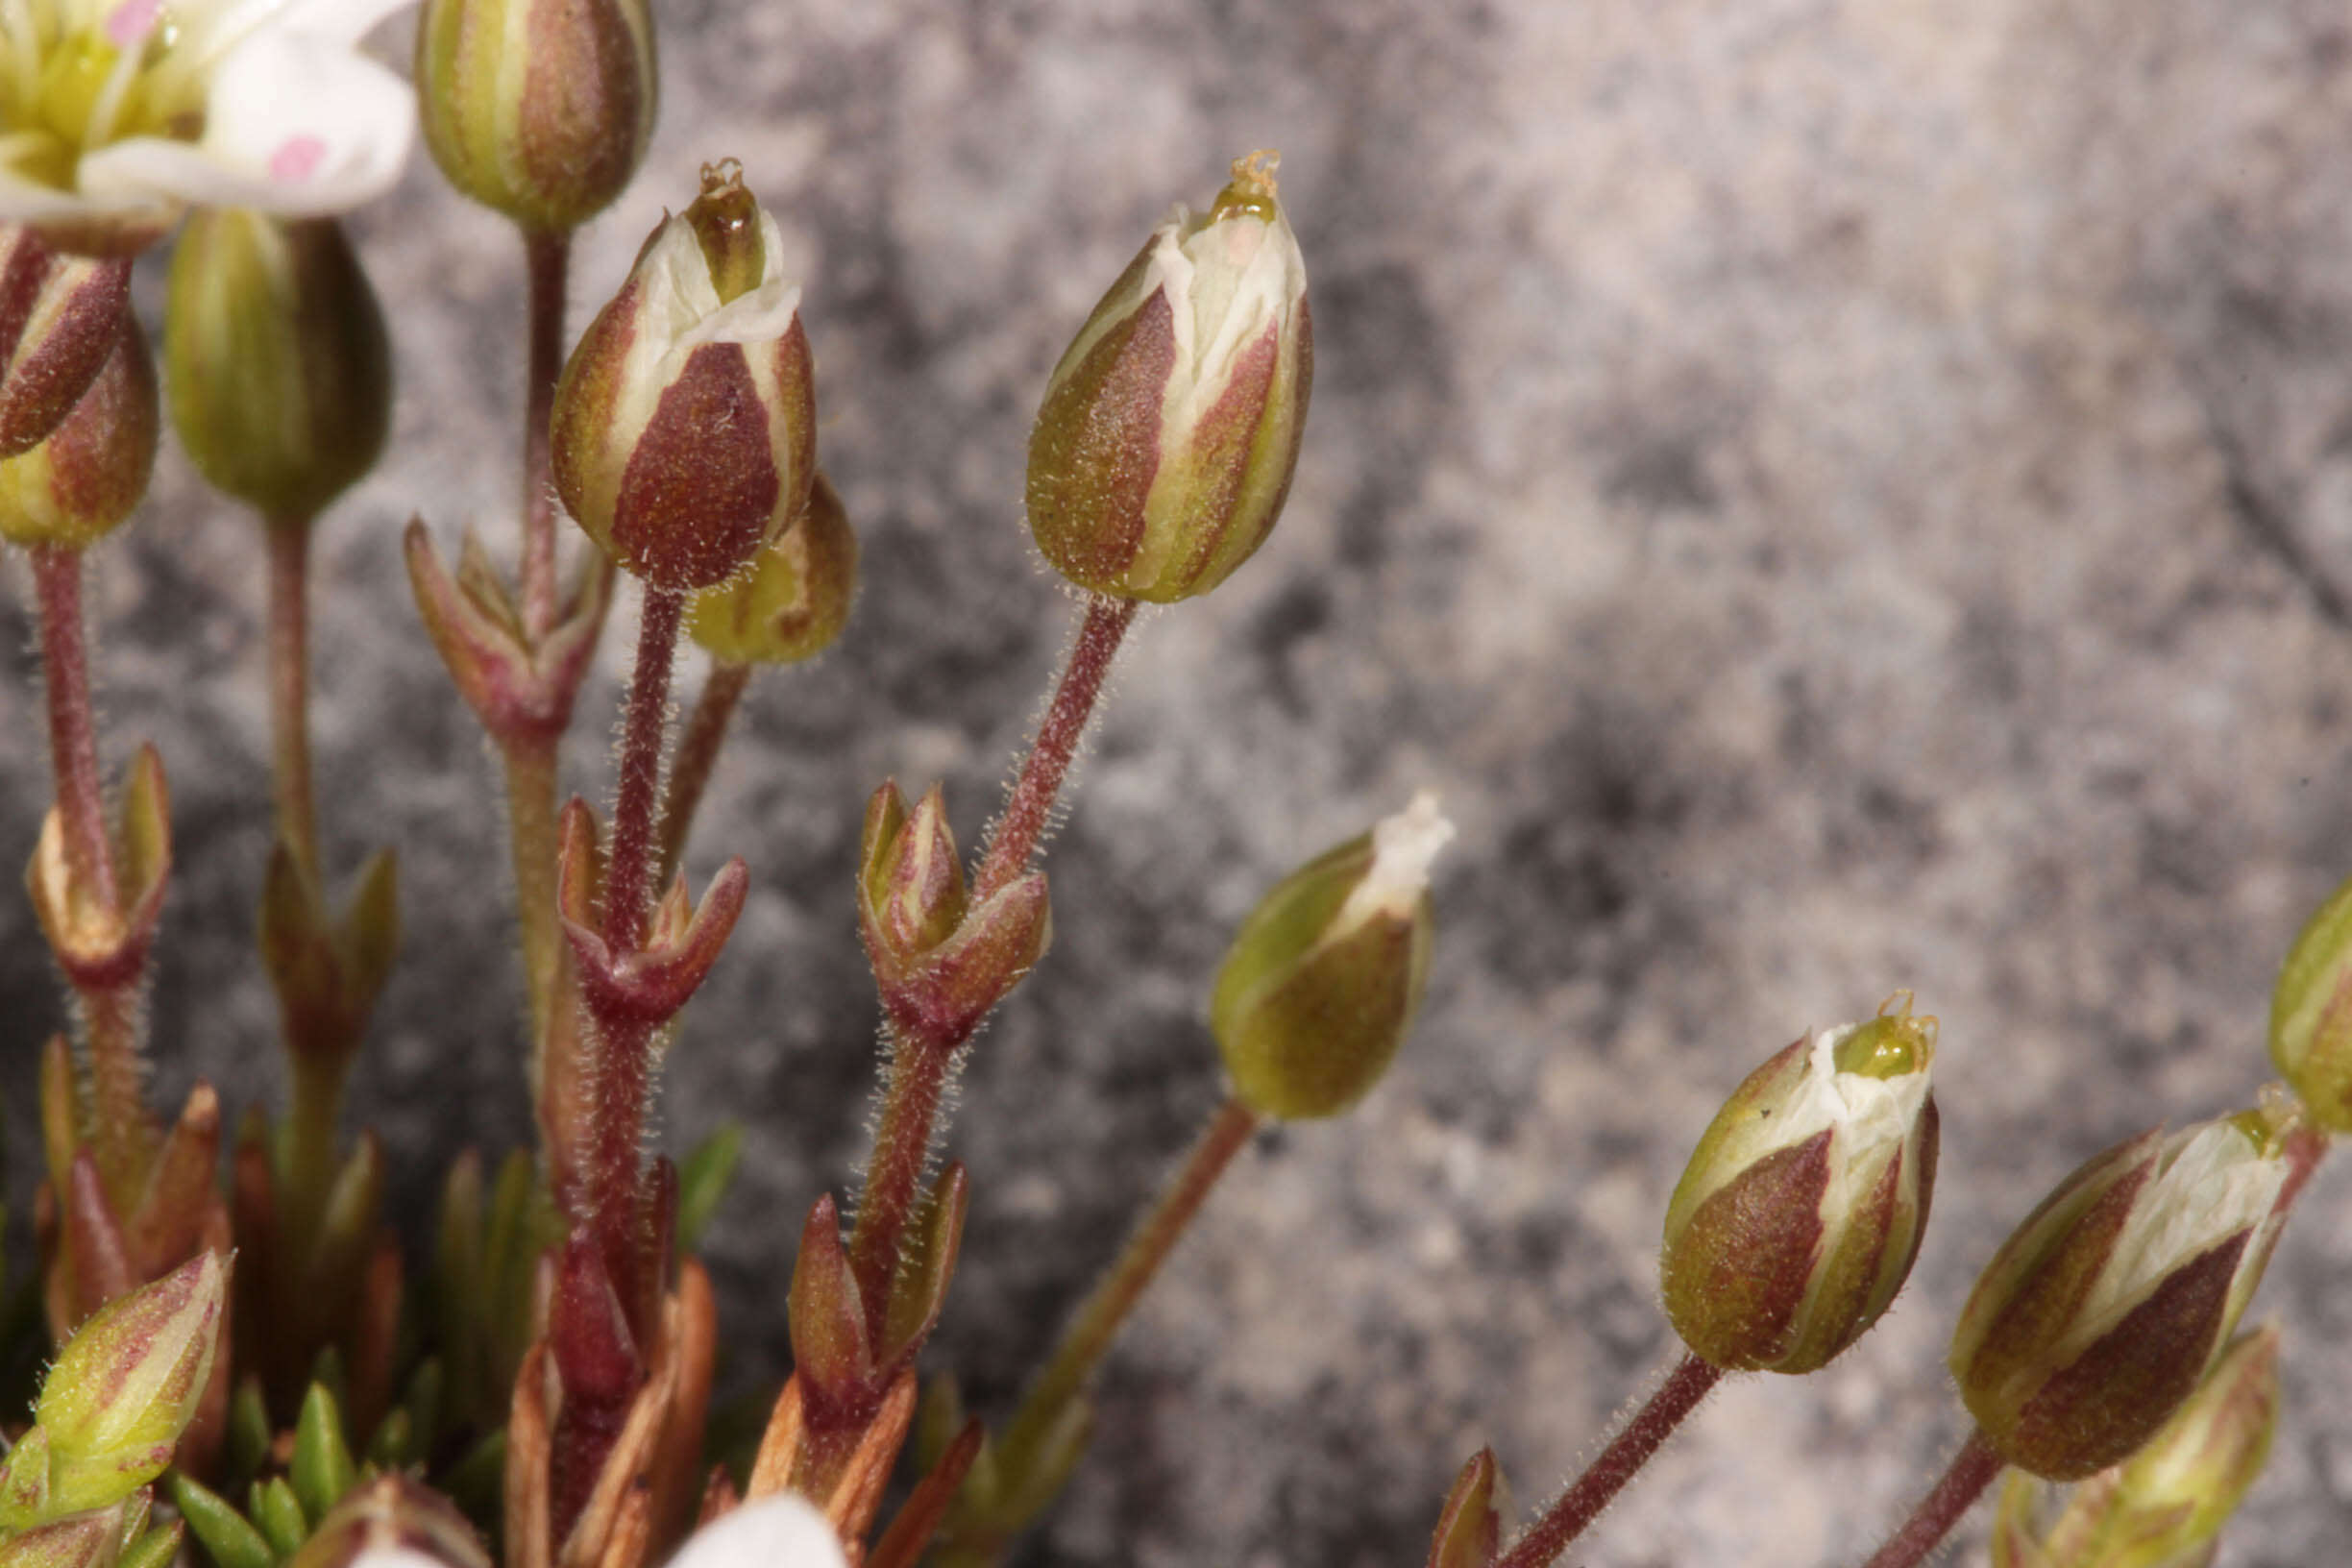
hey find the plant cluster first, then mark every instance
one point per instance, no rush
(228, 1303)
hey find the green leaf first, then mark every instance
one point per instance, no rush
(226, 1535)
(322, 1469)
(279, 1512)
(155, 1549)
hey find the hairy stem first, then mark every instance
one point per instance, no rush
(1606, 1476)
(1089, 1336)
(73, 730)
(1030, 806)
(109, 1015)
(547, 259)
(893, 1174)
(290, 689)
(1971, 1471)
(635, 826)
(697, 754)
(622, 1046)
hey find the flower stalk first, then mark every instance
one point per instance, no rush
(699, 748)
(1030, 807)
(1964, 1482)
(1566, 1519)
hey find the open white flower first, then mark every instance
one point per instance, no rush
(115, 115)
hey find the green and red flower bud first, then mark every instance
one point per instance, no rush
(2311, 1015)
(1170, 428)
(59, 316)
(1798, 1216)
(84, 479)
(1323, 979)
(2104, 1310)
(276, 359)
(795, 600)
(94, 1540)
(684, 430)
(940, 962)
(128, 1382)
(537, 109)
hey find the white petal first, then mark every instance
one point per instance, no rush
(294, 125)
(1404, 847)
(395, 1557)
(30, 201)
(773, 1532)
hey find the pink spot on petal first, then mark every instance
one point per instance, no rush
(131, 21)
(297, 158)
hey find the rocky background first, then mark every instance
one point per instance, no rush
(1835, 497)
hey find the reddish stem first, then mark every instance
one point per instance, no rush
(698, 755)
(289, 678)
(1971, 1471)
(1030, 806)
(894, 1176)
(548, 258)
(635, 828)
(623, 1046)
(1606, 1476)
(73, 733)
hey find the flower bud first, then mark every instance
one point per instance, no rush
(538, 109)
(1170, 429)
(128, 1382)
(939, 960)
(2101, 1313)
(684, 425)
(1325, 975)
(1800, 1214)
(2311, 1015)
(779, 1532)
(795, 600)
(2173, 1495)
(88, 477)
(275, 355)
(59, 319)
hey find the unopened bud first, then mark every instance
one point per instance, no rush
(1801, 1213)
(1164, 449)
(2311, 1015)
(87, 478)
(2172, 1499)
(1324, 977)
(275, 358)
(58, 318)
(684, 425)
(83, 1540)
(795, 600)
(128, 1382)
(539, 110)
(939, 960)
(2103, 1310)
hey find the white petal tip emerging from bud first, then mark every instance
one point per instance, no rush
(773, 1532)
(1404, 848)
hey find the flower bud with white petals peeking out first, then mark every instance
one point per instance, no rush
(1323, 979)
(1170, 428)
(1801, 1213)
(538, 110)
(2311, 1015)
(2103, 1310)
(684, 430)
(87, 478)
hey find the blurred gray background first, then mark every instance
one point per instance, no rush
(1834, 497)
